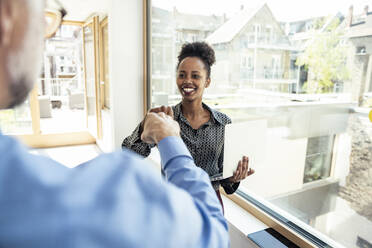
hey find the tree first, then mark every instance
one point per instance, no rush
(325, 59)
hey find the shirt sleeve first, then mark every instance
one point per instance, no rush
(180, 170)
(109, 202)
(134, 143)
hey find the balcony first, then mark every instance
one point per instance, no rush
(265, 40)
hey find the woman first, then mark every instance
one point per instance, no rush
(202, 128)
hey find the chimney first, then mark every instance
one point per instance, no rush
(241, 7)
(224, 17)
(350, 16)
(366, 10)
(175, 12)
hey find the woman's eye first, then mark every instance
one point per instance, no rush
(195, 76)
(181, 75)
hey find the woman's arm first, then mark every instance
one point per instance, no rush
(133, 142)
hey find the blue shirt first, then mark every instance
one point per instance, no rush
(110, 201)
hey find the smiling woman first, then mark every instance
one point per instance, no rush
(202, 128)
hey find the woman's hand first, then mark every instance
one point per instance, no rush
(242, 171)
(165, 109)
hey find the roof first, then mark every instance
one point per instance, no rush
(307, 38)
(362, 28)
(232, 27)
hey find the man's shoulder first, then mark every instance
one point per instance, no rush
(7, 142)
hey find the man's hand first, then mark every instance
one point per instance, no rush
(158, 125)
(165, 109)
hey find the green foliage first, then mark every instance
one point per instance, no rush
(319, 22)
(325, 58)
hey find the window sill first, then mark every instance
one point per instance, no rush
(261, 220)
(240, 218)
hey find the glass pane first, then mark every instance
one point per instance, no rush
(17, 120)
(90, 79)
(301, 69)
(61, 84)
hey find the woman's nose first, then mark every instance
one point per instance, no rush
(187, 79)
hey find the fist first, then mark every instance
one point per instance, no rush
(158, 126)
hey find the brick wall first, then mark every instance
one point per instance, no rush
(358, 189)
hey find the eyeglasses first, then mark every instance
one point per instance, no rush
(53, 16)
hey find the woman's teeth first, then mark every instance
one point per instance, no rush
(188, 90)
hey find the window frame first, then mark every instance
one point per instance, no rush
(38, 140)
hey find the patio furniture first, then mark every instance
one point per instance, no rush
(45, 107)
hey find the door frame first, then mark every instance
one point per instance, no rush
(38, 140)
(94, 23)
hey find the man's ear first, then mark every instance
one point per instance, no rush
(208, 82)
(6, 22)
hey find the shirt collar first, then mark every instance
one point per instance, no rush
(215, 116)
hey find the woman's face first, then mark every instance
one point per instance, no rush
(192, 78)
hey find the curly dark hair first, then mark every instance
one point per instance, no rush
(200, 50)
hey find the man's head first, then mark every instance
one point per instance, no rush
(21, 42)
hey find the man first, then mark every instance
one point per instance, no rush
(116, 200)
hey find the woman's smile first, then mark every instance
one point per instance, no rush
(188, 90)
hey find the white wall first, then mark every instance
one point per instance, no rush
(126, 66)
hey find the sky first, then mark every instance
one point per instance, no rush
(283, 10)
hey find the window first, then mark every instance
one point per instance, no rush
(60, 89)
(361, 50)
(57, 105)
(317, 165)
(61, 84)
(246, 61)
(269, 34)
(257, 31)
(244, 41)
(275, 66)
(318, 158)
(309, 26)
